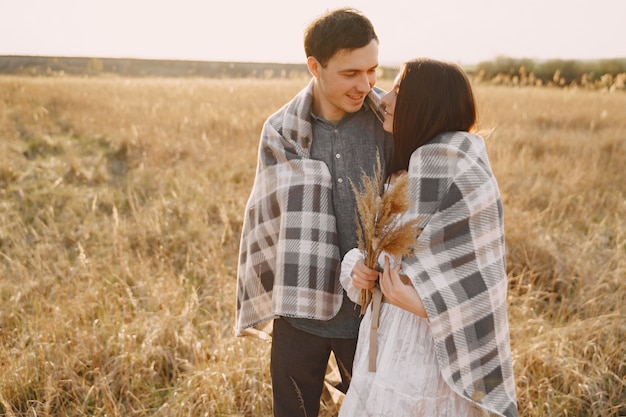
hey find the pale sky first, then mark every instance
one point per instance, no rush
(464, 31)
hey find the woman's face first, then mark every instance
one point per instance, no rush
(389, 103)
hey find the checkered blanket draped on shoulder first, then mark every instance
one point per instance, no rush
(458, 268)
(289, 255)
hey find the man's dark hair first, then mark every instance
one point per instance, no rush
(344, 28)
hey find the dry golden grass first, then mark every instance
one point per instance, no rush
(121, 204)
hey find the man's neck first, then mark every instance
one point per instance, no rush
(325, 109)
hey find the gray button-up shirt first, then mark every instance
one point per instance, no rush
(348, 149)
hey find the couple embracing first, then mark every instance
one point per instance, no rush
(441, 332)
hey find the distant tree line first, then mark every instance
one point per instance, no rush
(606, 73)
(603, 73)
(130, 67)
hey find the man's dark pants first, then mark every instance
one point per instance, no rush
(298, 367)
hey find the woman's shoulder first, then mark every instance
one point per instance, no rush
(459, 139)
(444, 155)
(453, 145)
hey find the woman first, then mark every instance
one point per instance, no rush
(442, 344)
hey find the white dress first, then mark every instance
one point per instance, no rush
(407, 381)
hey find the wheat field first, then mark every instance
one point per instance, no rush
(121, 202)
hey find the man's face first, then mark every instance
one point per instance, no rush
(345, 82)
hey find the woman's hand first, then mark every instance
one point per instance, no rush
(364, 277)
(399, 291)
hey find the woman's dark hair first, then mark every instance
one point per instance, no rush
(433, 97)
(338, 29)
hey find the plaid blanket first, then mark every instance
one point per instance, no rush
(458, 268)
(289, 257)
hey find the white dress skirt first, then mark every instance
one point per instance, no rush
(407, 381)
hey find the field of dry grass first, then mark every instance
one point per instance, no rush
(121, 203)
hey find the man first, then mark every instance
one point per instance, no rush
(300, 218)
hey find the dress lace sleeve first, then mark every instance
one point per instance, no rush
(347, 264)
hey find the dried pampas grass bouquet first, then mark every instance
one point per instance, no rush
(381, 224)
